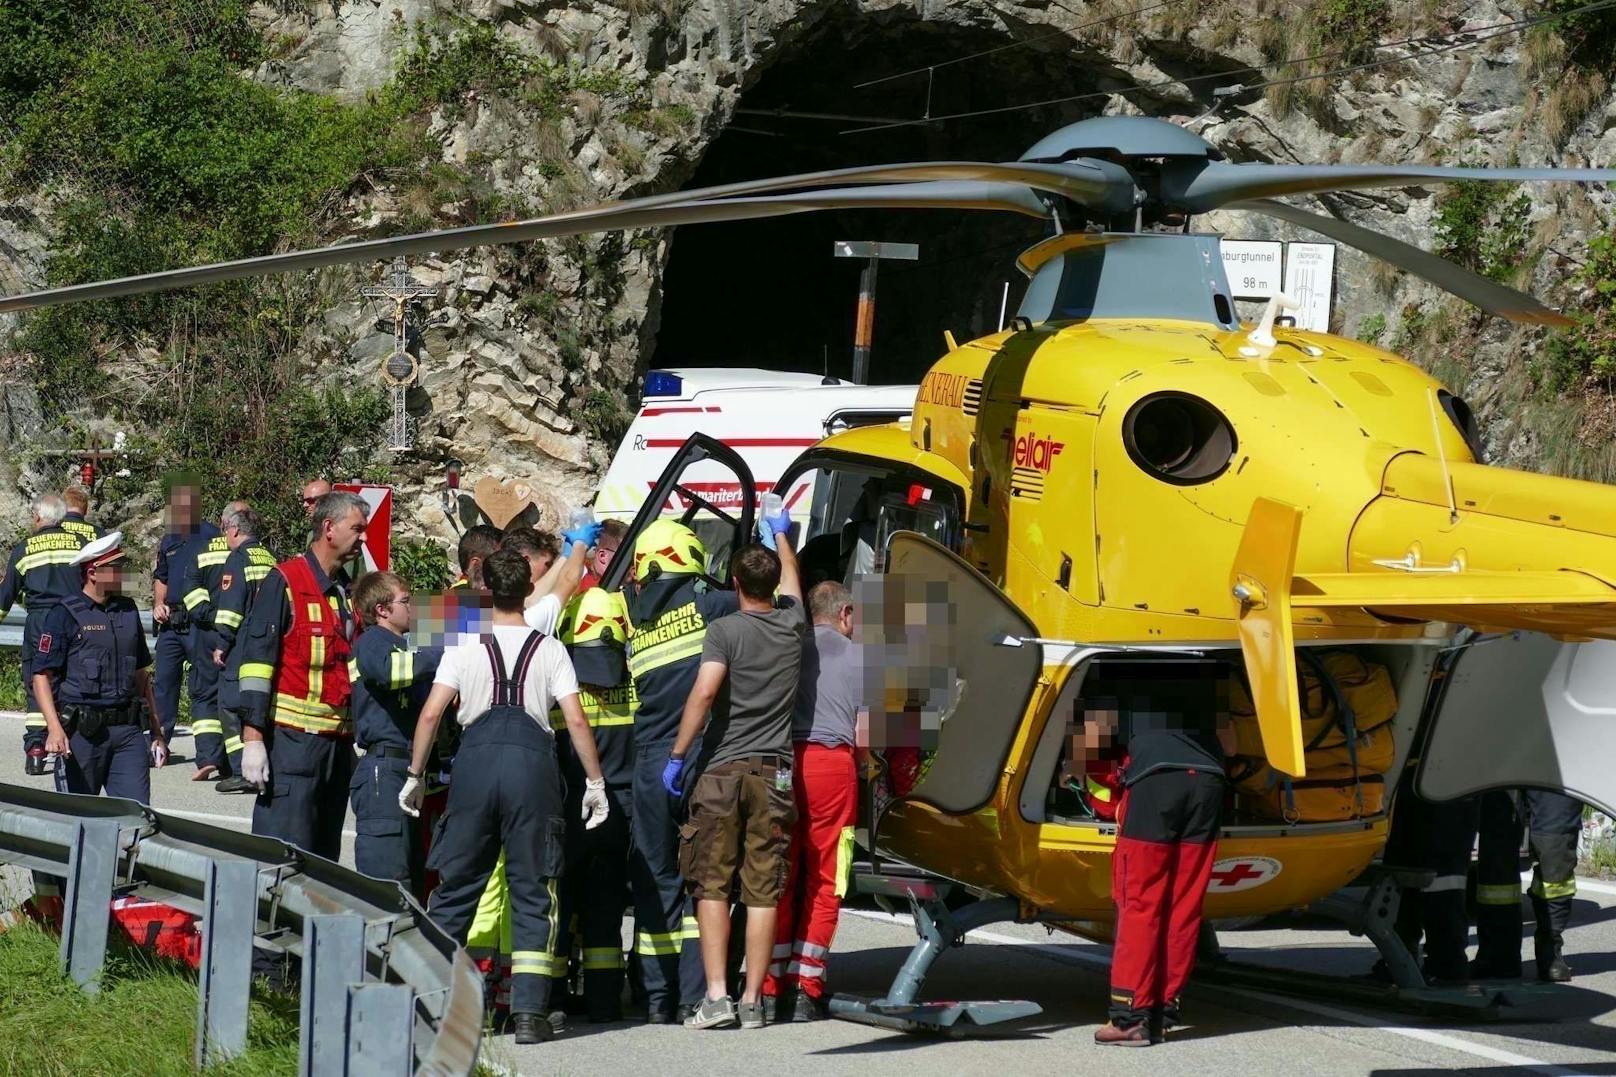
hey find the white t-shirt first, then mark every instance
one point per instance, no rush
(467, 670)
(543, 615)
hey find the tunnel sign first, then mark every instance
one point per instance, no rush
(1242, 873)
(1253, 267)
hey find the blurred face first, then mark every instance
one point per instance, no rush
(109, 578)
(397, 614)
(312, 493)
(182, 502)
(345, 535)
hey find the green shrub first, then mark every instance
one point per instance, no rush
(1371, 328)
(1351, 26)
(1483, 226)
(423, 564)
(1588, 348)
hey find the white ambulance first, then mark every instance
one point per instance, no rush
(768, 417)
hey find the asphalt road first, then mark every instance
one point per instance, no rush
(1569, 1030)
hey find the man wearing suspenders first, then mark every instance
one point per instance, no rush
(506, 683)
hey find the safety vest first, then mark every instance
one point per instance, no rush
(313, 683)
(103, 653)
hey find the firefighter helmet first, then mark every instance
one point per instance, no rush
(668, 548)
(594, 626)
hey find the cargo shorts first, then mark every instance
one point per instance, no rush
(741, 815)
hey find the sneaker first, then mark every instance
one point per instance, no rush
(807, 1008)
(713, 1013)
(750, 1014)
(1111, 1034)
(532, 1028)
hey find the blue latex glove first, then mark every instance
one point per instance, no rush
(770, 526)
(673, 777)
(587, 535)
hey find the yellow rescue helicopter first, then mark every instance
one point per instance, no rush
(1130, 474)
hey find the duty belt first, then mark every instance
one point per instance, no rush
(390, 751)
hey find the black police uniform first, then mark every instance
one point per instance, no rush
(394, 679)
(596, 884)
(670, 624)
(172, 639)
(515, 802)
(204, 560)
(96, 651)
(40, 569)
(246, 567)
(1553, 821)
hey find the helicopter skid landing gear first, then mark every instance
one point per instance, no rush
(939, 928)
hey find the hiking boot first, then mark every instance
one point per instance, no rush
(750, 1014)
(532, 1028)
(35, 765)
(1172, 1015)
(1112, 1034)
(235, 785)
(714, 1013)
(807, 1008)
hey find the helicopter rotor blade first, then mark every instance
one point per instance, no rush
(663, 212)
(1200, 186)
(1490, 296)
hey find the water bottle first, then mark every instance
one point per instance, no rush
(580, 518)
(773, 505)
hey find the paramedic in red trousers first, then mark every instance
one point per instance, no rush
(297, 735)
(508, 789)
(824, 728)
(1177, 736)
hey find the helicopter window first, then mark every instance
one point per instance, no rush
(1463, 419)
(1178, 438)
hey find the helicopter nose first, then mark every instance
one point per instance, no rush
(1436, 516)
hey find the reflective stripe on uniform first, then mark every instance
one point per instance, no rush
(228, 618)
(316, 668)
(232, 745)
(1498, 894)
(256, 573)
(1098, 790)
(674, 650)
(1550, 891)
(34, 720)
(844, 861)
(1445, 882)
(256, 671)
(201, 726)
(195, 597)
(403, 669)
(602, 957)
(690, 929)
(658, 943)
(211, 558)
(46, 557)
(536, 963)
(309, 717)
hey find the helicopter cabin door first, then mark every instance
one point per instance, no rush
(956, 670)
(707, 487)
(1525, 711)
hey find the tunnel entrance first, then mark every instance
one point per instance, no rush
(770, 294)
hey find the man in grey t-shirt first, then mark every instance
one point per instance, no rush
(741, 808)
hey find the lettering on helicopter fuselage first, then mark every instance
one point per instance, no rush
(1035, 452)
(940, 388)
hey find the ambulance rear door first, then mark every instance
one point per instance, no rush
(1524, 711)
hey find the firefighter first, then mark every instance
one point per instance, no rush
(40, 571)
(394, 678)
(168, 611)
(295, 691)
(1433, 838)
(78, 504)
(203, 560)
(669, 615)
(1177, 736)
(91, 678)
(594, 629)
(506, 684)
(248, 565)
(1553, 822)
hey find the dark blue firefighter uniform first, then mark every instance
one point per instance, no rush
(244, 570)
(515, 802)
(393, 683)
(173, 647)
(1436, 837)
(1553, 821)
(204, 560)
(96, 651)
(41, 572)
(670, 624)
(78, 525)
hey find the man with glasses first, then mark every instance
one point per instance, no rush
(394, 679)
(600, 559)
(313, 491)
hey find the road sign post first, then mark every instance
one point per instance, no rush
(864, 327)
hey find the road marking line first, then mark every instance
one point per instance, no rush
(1071, 952)
(215, 817)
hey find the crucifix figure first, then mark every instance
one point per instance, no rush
(400, 369)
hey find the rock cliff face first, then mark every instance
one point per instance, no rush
(529, 354)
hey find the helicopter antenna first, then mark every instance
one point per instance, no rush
(1442, 458)
(1004, 302)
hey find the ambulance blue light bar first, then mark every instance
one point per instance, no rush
(662, 383)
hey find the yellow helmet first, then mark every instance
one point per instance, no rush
(594, 626)
(668, 548)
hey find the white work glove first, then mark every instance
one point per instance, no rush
(255, 764)
(409, 797)
(596, 806)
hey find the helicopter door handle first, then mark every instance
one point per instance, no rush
(1250, 593)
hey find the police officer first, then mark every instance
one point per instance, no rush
(78, 505)
(168, 612)
(201, 561)
(1553, 822)
(506, 684)
(594, 628)
(248, 565)
(295, 690)
(393, 681)
(90, 676)
(41, 568)
(669, 614)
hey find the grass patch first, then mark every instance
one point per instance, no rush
(143, 1021)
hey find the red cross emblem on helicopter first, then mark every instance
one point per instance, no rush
(1242, 873)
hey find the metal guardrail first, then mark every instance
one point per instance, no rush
(384, 990)
(11, 627)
